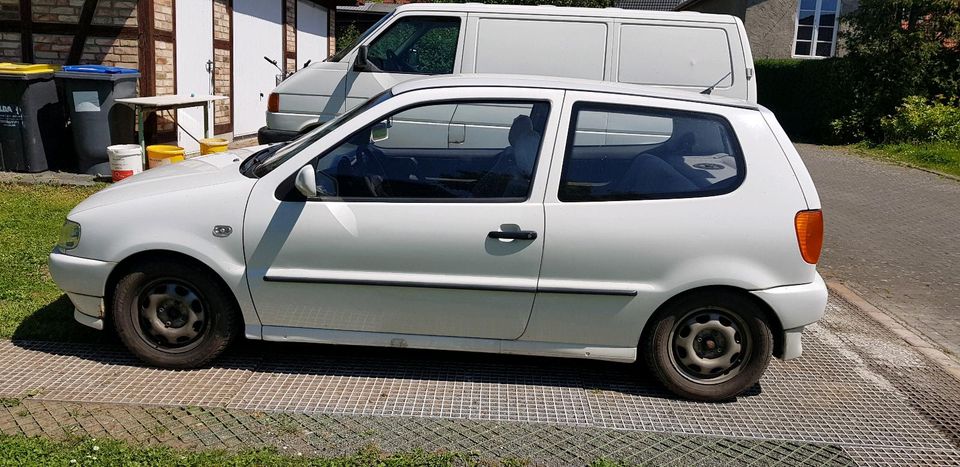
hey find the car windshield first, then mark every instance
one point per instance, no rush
(344, 51)
(305, 140)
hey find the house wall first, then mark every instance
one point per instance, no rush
(771, 25)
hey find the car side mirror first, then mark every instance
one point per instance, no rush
(315, 185)
(361, 63)
(306, 182)
(379, 132)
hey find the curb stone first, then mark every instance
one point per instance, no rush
(923, 346)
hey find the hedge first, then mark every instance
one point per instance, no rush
(805, 95)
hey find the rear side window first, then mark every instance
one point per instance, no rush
(618, 153)
(572, 49)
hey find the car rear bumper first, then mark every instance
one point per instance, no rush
(796, 306)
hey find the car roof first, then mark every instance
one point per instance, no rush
(566, 84)
(611, 12)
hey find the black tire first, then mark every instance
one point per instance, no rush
(214, 323)
(713, 314)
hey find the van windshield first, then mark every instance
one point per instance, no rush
(344, 51)
(293, 147)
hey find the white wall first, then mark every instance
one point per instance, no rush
(312, 32)
(258, 32)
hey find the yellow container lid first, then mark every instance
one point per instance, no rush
(165, 150)
(27, 68)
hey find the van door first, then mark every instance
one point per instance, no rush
(689, 57)
(412, 46)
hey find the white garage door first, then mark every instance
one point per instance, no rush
(194, 77)
(258, 33)
(311, 32)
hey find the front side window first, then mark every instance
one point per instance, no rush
(817, 28)
(618, 153)
(482, 150)
(423, 45)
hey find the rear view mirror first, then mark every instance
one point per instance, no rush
(380, 132)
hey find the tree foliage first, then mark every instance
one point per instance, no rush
(896, 49)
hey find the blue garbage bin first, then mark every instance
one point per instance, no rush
(95, 122)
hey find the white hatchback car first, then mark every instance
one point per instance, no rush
(501, 214)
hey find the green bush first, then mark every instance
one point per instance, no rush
(919, 120)
(805, 95)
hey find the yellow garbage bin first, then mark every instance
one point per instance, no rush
(163, 154)
(212, 145)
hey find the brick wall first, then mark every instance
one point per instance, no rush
(10, 47)
(165, 71)
(10, 9)
(222, 71)
(290, 33)
(331, 31)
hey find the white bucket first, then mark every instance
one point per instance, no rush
(125, 160)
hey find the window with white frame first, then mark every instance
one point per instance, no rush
(816, 33)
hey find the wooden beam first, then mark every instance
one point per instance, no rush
(148, 61)
(70, 29)
(25, 28)
(86, 19)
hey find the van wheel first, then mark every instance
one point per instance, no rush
(709, 346)
(174, 315)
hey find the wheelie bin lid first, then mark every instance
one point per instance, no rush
(98, 72)
(10, 70)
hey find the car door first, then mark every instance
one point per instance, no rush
(412, 46)
(413, 236)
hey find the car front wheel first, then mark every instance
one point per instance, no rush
(710, 346)
(174, 315)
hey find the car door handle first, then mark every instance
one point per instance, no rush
(514, 235)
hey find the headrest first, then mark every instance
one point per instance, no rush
(522, 126)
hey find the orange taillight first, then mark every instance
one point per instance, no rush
(273, 102)
(809, 226)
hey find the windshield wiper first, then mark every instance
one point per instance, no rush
(258, 157)
(709, 90)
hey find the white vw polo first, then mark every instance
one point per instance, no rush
(501, 214)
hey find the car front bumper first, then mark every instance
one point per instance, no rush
(84, 281)
(796, 306)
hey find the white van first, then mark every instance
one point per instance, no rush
(681, 50)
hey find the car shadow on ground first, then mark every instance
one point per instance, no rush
(298, 359)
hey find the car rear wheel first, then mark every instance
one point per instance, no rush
(709, 346)
(174, 315)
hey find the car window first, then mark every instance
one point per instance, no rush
(629, 153)
(461, 150)
(424, 45)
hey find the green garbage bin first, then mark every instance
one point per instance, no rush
(31, 118)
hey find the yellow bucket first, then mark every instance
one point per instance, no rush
(212, 145)
(163, 154)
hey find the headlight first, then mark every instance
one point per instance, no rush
(69, 235)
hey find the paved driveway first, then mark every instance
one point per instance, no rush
(859, 393)
(893, 235)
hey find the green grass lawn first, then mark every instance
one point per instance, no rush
(21, 450)
(31, 305)
(942, 157)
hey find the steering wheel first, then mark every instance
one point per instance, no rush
(393, 60)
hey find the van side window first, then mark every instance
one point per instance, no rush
(465, 150)
(420, 44)
(618, 153)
